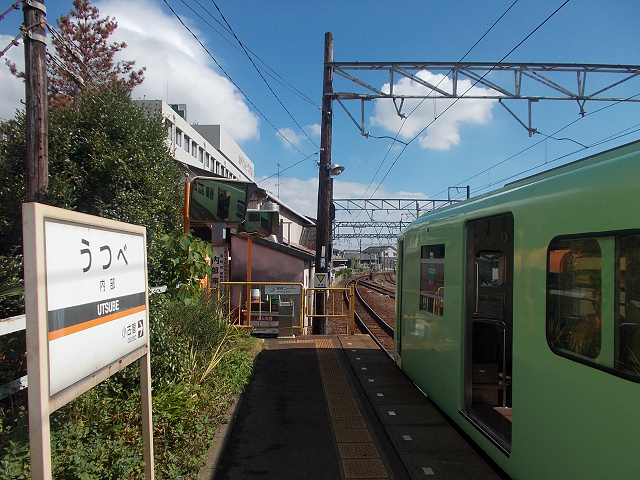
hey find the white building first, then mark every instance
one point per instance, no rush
(206, 147)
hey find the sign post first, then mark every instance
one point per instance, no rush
(86, 305)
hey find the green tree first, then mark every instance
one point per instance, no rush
(107, 157)
(83, 56)
(83, 33)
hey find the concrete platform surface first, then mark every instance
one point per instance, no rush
(335, 407)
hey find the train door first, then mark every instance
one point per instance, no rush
(489, 327)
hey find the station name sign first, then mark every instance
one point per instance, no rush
(96, 298)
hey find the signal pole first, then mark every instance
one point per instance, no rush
(325, 193)
(35, 51)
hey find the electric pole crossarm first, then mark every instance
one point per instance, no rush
(476, 72)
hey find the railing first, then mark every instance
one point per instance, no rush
(262, 310)
(7, 326)
(334, 304)
(245, 302)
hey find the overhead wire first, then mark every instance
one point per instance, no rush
(226, 74)
(551, 136)
(602, 141)
(406, 117)
(262, 76)
(474, 84)
(268, 70)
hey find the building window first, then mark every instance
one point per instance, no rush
(432, 279)
(201, 155)
(206, 160)
(178, 137)
(593, 301)
(186, 143)
(194, 149)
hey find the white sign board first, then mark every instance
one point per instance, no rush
(87, 316)
(219, 265)
(320, 280)
(289, 289)
(96, 299)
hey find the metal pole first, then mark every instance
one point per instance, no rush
(324, 185)
(187, 197)
(35, 50)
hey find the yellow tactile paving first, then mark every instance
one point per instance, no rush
(352, 435)
(358, 453)
(364, 468)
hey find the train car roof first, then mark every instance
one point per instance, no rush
(575, 166)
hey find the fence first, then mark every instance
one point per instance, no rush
(7, 326)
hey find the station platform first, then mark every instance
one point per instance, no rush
(335, 407)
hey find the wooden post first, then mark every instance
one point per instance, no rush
(35, 50)
(323, 250)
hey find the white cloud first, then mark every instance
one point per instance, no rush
(289, 137)
(302, 195)
(12, 87)
(178, 69)
(314, 129)
(295, 137)
(445, 131)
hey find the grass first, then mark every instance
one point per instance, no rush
(199, 365)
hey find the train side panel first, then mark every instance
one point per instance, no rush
(571, 420)
(431, 350)
(573, 416)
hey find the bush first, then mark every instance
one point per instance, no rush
(97, 435)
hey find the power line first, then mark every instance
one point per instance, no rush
(268, 70)
(289, 167)
(262, 76)
(474, 84)
(552, 136)
(231, 79)
(395, 139)
(609, 138)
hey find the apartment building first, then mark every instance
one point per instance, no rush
(205, 147)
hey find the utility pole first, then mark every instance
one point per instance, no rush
(325, 193)
(35, 50)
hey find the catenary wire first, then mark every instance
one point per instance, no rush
(552, 136)
(473, 85)
(231, 79)
(262, 76)
(395, 139)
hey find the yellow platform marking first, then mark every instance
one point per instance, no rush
(358, 453)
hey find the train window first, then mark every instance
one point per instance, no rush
(432, 279)
(491, 268)
(627, 348)
(574, 274)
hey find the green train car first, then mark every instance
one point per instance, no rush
(518, 314)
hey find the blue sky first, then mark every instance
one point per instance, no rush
(476, 143)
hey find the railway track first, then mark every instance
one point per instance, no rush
(384, 288)
(369, 321)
